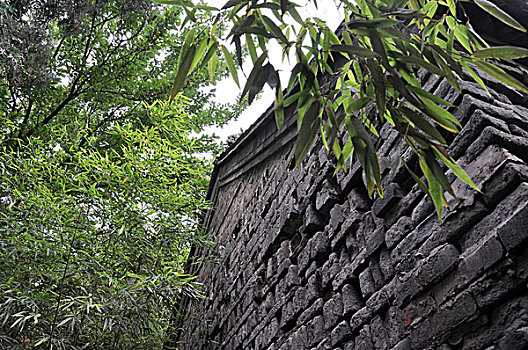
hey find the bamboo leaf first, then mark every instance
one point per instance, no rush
(230, 64)
(475, 76)
(498, 13)
(354, 50)
(279, 108)
(455, 168)
(212, 67)
(253, 75)
(422, 124)
(441, 116)
(251, 48)
(351, 104)
(275, 29)
(423, 93)
(232, 3)
(199, 53)
(500, 74)
(183, 71)
(308, 130)
(506, 52)
(435, 189)
(438, 172)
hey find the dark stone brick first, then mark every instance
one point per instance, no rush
(514, 231)
(319, 247)
(379, 334)
(361, 317)
(292, 277)
(313, 221)
(366, 283)
(333, 311)
(308, 261)
(405, 344)
(454, 313)
(340, 333)
(330, 270)
(316, 330)
(405, 289)
(313, 287)
(364, 340)
(374, 241)
(352, 300)
(441, 260)
(313, 310)
(395, 325)
(346, 274)
(392, 195)
(514, 340)
(326, 198)
(480, 258)
(398, 231)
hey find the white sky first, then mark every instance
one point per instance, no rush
(227, 91)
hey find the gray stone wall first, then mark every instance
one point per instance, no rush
(305, 260)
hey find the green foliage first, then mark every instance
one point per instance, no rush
(384, 43)
(101, 185)
(93, 241)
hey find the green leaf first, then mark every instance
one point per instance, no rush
(199, 53)
(186, 44)
(475, 76)
(437, 171)
(455, 168)
(232, 3)
(212, 66)
(422, 124)
(257, 67)
(452, 7)
(230, 64)
(279, 108)
(423, 93)
(422, 63)
(301, 97)
(308, 130)
(379, 84)
(284, 6)
(500, 74)
(435, 189)
(498, 13)
(351, 104)
(506, 52)
(251, 48)
(183, 71)
(275, 29)
(354, 50)
(371, 23)
(441, 116)
(416, 178)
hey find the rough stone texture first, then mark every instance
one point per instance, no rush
(307, 261)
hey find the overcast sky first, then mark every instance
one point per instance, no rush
(227, 91)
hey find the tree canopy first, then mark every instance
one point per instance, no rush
(363, 76)
(102, 183)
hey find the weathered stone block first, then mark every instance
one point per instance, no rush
(352, 300)
(398, 231)
(333, 310)
(514, 230)
(366, 283)
(441, 260)
(340, 334)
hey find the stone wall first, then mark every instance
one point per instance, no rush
(306, 260)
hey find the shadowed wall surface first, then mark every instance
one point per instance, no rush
(305, 260)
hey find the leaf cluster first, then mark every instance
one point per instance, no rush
(367, 75)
